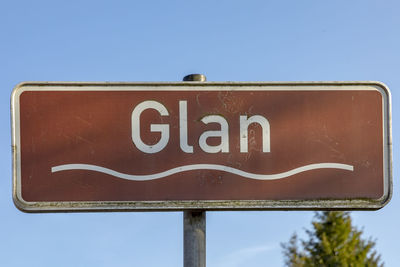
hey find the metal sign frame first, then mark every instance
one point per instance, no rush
(65, 206)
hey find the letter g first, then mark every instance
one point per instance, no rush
(162, 128)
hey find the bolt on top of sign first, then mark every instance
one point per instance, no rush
(216, 146)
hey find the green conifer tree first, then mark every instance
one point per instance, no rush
(333, 241)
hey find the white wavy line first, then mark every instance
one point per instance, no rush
(193, 167)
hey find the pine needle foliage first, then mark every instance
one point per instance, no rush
(333, 242)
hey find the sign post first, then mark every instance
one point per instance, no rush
(194, 222)
(195, 146)
(194, 238)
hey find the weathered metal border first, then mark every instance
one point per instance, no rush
(109, 206)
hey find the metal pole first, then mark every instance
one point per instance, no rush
(194, 235)
(194, 221)
(195, 78)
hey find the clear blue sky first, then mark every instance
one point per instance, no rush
(309, 40)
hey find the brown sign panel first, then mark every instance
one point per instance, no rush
(216, 146)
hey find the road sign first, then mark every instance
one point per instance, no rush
(213, 146)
